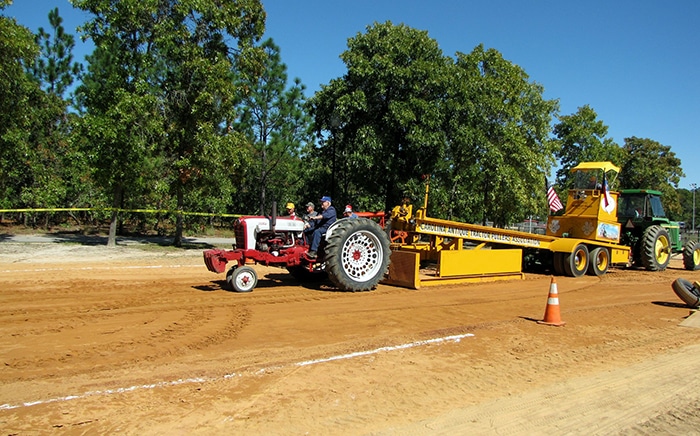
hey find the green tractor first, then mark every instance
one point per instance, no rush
(652, 237)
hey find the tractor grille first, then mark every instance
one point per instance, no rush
(239, 232)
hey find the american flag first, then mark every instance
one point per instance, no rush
(553, 199)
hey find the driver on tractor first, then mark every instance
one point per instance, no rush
(322, 222)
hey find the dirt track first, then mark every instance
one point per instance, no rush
(97, 341)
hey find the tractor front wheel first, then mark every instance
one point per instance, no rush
(242, 278)
(655, 248)
(357, 254)
(691, 255)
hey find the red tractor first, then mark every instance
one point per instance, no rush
(354, 252)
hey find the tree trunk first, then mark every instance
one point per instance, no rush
(117, 200)
(263, 179)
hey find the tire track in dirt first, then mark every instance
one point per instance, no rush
(614, 402)
(121, 342)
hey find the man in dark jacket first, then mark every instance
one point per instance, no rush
(322, 222)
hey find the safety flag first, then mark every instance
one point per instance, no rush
(553, 199)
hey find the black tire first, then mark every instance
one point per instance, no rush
(576, 262)
(691, 255)
(242, 278)
(686, 292)
(598, 261)
(558, 263)
(357, 254)
(655, 248)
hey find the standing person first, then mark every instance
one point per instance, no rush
(348, 213)
(323, 220)
(290, 211)
(400, 215)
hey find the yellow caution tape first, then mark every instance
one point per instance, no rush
(109, 209)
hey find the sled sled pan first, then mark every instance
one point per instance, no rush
(454, 267)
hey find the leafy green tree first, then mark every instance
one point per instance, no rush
(380, 124)
(56, 168)
(173, 66)
(55, 68)
(120, 126)
(18, 93)
(582, 138)
(497, 125)
(275, 122)
(651, 165)
(685, 197)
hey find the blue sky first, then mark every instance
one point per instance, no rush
(635, 62)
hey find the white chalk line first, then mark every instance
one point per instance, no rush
(452, 338)
(93, 268)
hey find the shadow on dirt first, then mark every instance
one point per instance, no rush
(669, 304)
(274, 281)
(527, 318)
(216, 285)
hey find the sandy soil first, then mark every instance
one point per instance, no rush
(96, 341)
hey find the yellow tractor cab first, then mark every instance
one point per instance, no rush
(591, 206)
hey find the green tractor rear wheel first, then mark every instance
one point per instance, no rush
(691, 255)
(655, 248)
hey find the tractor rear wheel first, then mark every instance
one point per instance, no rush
(357, 254)
(599, 261)
(691, 255)
(655, 248)
(576, 262)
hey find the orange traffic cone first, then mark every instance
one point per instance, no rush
(551, 312)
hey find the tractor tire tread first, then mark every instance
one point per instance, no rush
(334, 252)
(691, 255)
(650, 261)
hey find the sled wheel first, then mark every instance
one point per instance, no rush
(558, 263)
(598, 261)
(656, 249)
(357, 254)
(691, 255)
(576, 262)
(686, 292)
(242, 279)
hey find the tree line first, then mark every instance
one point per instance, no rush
(183, 107)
